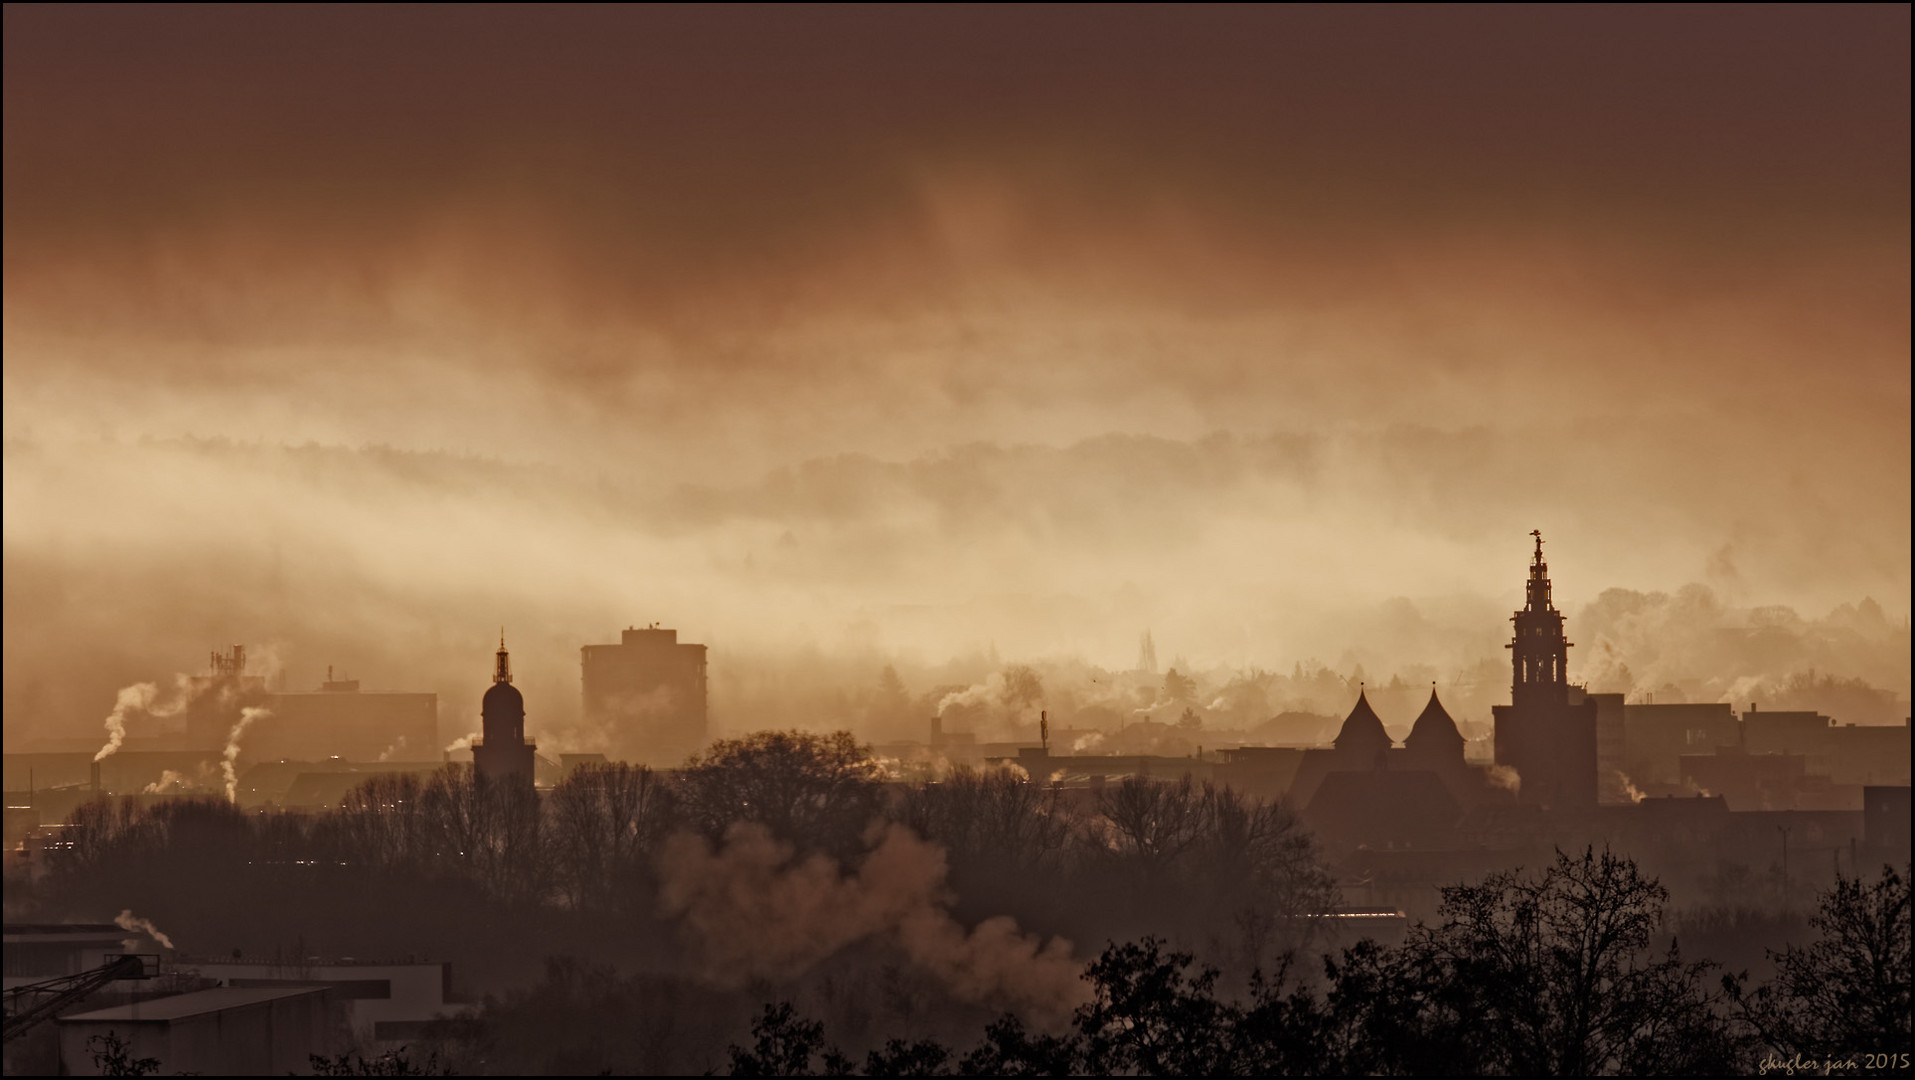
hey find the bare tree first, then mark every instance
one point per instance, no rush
(605, 821)
(814, 791)
(1152, 822)
(1543, 975)
(997, 815)
(1848, 992)
(378, 822)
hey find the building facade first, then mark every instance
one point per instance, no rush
(647, 695)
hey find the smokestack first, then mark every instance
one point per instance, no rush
(96, 778)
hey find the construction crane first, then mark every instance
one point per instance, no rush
(29, 1005)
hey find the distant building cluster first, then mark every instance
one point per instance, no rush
(1558, 765)
(1692, 789)
(646, 696)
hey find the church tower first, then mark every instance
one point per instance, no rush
(1547, 740)
(503, 753)
(1539, 655)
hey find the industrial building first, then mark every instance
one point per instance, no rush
(647, 695)
(384, 1004)
(341, 720)
(39, 951)
(226, 1031)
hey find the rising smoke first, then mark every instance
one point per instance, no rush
(231, 753)
(751, 912)
(138, 696)
(169, 781)
(126, 920)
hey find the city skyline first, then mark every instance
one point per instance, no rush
(956, 539)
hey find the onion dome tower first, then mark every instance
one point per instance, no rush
(1434, 734)
(503, 753)
(1362, 736)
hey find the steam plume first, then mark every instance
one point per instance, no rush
(463, 742)
(1619, 782)
(753, 913)
(1504, 777)
(138, 696)
(227, 757)
(126, 920)
(167, 781)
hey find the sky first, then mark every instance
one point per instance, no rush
(838, 336)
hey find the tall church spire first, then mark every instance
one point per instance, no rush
(502, 665)
(1539, 658)
(1538, 591)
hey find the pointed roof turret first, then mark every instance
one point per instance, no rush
(1362, 730)
(1434, 732)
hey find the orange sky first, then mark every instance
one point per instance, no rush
(929, 329)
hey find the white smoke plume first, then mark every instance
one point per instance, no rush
(999, 705)
(231, 753)
(147, 700)
(1503, 776)
(167, 782)
(138, 696)
(386, 754)
(126, 920)
(1619, 783)
(463, 742)
(754, 913)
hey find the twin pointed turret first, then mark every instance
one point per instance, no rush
(1362, 731)
(1433, 733)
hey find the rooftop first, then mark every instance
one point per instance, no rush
(197, 1003)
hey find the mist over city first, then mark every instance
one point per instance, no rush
(956, 540)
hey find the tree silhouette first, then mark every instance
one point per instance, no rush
(816, 792)
(1549, 974)
(113, 1056)
(1848, 992)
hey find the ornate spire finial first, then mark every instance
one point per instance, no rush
(502, 668)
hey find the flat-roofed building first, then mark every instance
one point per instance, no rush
(386, 1003)
(36, 952)
(647, 695)
(228, 1031)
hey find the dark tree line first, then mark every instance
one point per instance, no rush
(1567, 971)
(1192, 861)
(1551, 974)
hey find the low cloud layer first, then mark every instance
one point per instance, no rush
(1399, 552)
(946, 340)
